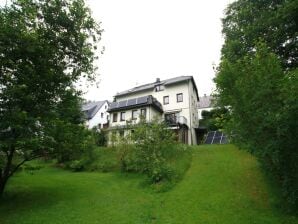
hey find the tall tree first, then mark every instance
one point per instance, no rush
(45, 47)
(274, 21)
(257, 79)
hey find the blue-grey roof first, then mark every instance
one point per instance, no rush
(91, 108)
(136, 103)
(163, 82)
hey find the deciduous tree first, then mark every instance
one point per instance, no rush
(45, 47)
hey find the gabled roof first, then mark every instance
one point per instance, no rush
(158, 82)
(205, 102)
(91, 108)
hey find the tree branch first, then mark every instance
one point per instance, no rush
(21, 163)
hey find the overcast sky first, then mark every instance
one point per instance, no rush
(145, 40)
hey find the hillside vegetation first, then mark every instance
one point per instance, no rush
(222, 185)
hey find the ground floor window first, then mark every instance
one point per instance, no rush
(143, 112)
(115, 117)
(122, 116)
(134, 114)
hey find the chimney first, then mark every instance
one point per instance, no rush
(157, 79)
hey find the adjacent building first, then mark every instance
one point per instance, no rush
(96, 114)
(205, 103)
(173, 100)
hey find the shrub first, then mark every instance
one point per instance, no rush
(147, 150)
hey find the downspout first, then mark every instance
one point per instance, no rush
(190, 120)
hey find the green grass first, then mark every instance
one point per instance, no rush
(222, 185)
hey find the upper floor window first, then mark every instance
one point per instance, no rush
(122, 116)
(180, 97)
(101, 114)
(159, 88)
(166, 100)
(134, 114)
(115, 115)
(143, 113)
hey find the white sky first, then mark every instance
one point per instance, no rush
(145, 40)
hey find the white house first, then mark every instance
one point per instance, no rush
(205, 103)
(174, 100)
(96, 114)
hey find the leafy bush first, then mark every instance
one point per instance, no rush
(99, 137)
(104, 160)
(149, 149)
(264, 108)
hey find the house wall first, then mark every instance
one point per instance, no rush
(97, 119)
(150, 114)
(187, 108)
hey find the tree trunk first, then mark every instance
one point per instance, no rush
(3, 182)
(6, 173)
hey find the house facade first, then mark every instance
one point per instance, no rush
(96, 114)
(172, 100)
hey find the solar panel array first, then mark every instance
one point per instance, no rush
(216, 137)
(130, 102)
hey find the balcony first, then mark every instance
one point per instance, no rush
(173, 120)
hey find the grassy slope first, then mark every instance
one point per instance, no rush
(223, 185)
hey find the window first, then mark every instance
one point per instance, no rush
(180, 97)
(143, 113)
(122, 116)
(134, 114)
(159, 88)
(166, 100)
(115, 117)
(101, 115)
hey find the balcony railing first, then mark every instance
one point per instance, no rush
(175, 120)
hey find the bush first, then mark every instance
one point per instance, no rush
(264, 108)
(99, 137)
(148, 149)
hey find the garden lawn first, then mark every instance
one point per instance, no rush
(222, 185)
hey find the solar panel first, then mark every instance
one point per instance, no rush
(216, 140)
(131, 102)
(218, 134)
(208, 141)
(114, 105)
(210, 134)
(216, 137)
(224, 140)
(122, 103)
(142, 99)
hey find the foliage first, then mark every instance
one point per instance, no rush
(45, 47)
(148, 149)
(100, 137)
(223, 185)
(257, 78)
(263, 102)
(275, 22)
(215, 119)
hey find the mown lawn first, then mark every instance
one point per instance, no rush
(223, 185)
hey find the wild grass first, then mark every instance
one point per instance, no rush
(222, 185)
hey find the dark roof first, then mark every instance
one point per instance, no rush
(158, 82)
(91, 108)
(136, 103)
(205, 102)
